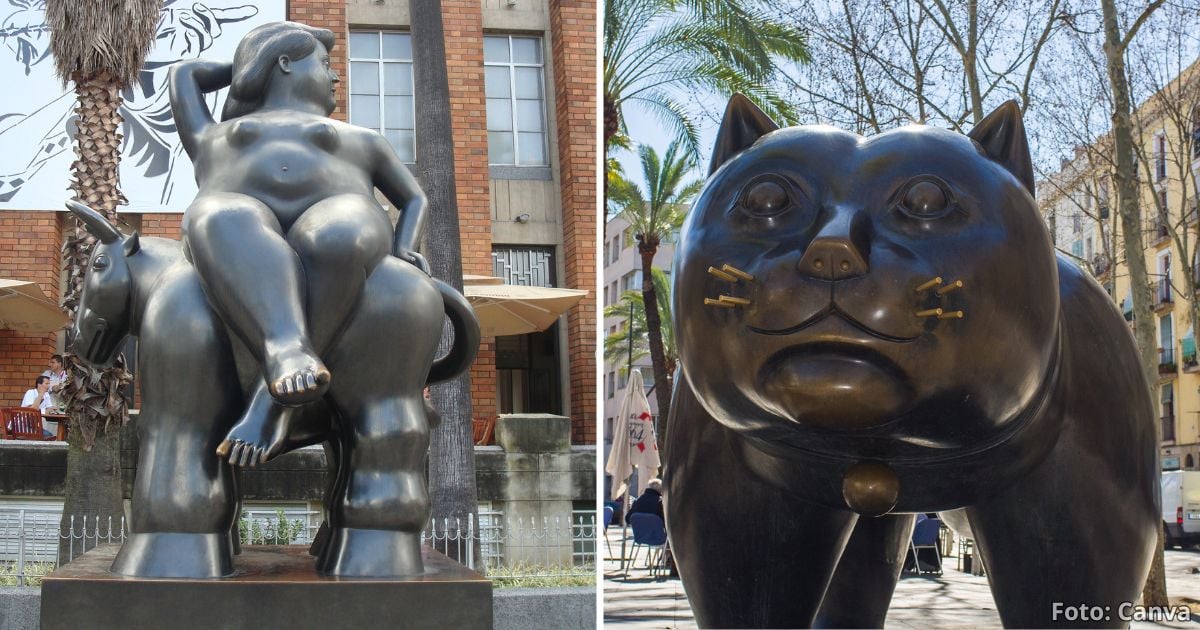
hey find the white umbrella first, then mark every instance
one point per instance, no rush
(634, 444)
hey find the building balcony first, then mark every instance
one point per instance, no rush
(1166, 362)
(1164, 300)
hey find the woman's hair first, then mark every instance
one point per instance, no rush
(256, 56)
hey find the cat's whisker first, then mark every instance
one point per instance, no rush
(737, 272)
(734, 300)
(722, 275)
(722, 304)
(931, 312)
(957, 284)
(951, 315)
(929, 285)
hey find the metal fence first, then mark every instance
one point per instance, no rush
(502, 549)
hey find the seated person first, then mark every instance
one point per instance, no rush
(651, 500)
(39, 398)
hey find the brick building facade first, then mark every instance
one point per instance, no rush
(538, 210)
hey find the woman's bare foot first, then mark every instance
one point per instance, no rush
(295, 375)
(259, 434)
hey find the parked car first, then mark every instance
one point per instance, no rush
(1181, 507)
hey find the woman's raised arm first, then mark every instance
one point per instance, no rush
(398, 185)
(189, 81)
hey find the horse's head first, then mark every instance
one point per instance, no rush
(104, 316)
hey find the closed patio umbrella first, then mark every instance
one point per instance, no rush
(634, 444)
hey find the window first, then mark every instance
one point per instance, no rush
(1077, 249)
(610, 384)
(606, 253)
(1160, 156)
(1162, 201)
(381, 87)
(1196, 132)
(1166, 340)
(1076, 223)
(1088, 250)
(1167, 412)
(515, 90)
(630, 281)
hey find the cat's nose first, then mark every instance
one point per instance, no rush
(839, 251)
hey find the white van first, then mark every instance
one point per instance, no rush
(1181, 507)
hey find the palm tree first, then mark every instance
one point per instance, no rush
(100, 48)
(452, 450)
(617, 348)
(652, 215)
(659, 53)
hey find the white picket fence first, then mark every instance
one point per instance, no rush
(496, 547)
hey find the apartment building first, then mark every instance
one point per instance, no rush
(1079, 203)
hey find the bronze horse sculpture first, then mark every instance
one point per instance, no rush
(871, 328)
(291, 315)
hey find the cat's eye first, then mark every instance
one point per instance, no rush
(925, 198)
(765, 197)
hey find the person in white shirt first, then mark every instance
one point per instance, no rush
(39, 398)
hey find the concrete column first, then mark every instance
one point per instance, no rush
(536, 488)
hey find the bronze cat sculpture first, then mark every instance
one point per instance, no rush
(871, 328)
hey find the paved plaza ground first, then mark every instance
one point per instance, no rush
(952, 600)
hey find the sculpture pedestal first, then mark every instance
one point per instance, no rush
(273, 587)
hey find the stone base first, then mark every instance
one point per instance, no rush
(272, 587)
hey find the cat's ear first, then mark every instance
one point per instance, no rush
(744, 123)
(1002, 136)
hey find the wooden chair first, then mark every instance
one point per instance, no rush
(482, 430)
(24, 423)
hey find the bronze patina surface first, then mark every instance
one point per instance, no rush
(871, 328)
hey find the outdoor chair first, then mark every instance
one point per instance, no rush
(23, 423)
(608, 517)
(649, 531)
(482, 430)
(925, 536)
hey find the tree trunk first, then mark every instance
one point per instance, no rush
(1155, 590)
(452, 450)
(93, 490)
(658, 357)
(93, 482)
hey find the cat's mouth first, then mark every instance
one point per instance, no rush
(831, 310)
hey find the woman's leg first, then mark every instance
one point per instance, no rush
(339, 241)
(254, 281)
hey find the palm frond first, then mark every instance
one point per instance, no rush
(93, 36)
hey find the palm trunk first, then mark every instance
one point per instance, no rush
(93, 483)
(648, 247)
(452, 451)
(1155, 591)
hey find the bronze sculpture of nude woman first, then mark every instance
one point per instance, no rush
(285, 228)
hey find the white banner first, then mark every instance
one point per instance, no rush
(37, 114)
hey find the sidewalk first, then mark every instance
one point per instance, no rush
(952, 600)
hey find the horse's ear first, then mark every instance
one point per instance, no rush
(743, 124)
(132, 245)
(1002, 136)
(95, 223)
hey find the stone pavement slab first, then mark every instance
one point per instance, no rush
(952, 600)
